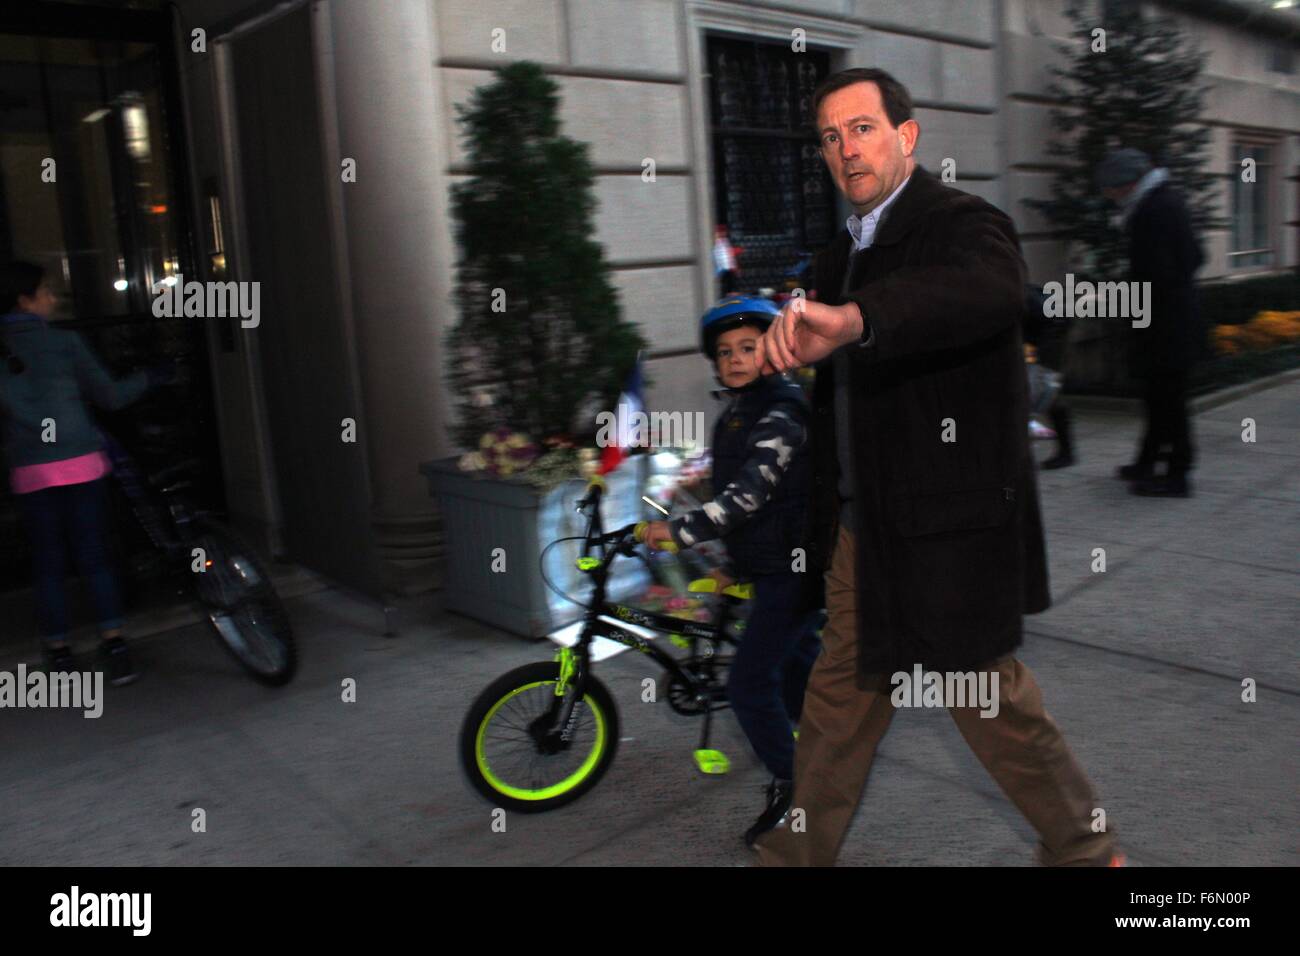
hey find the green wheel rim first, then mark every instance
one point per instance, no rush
(555, 790)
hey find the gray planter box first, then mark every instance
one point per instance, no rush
(481, 514)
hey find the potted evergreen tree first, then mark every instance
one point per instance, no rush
(539, 347)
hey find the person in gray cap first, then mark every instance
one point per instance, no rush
(1164, 251)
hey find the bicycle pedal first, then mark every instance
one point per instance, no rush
(712, 761)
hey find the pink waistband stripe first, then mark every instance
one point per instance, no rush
(70, 471)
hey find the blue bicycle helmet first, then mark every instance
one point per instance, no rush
(730, 313)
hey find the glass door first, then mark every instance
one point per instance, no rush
(92, 188)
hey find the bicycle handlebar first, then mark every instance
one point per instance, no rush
(643, 526)
(595, 487)
(590, 504)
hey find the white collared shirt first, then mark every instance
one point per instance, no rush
(863, 228)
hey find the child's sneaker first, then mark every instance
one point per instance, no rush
(117, 661)
(780, 794)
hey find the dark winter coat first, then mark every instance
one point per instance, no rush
(1164, 250)
(950, 549)
(761, 479)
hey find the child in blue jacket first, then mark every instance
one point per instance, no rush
(761, 480)
(57, 464)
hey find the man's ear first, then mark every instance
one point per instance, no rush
(908, 134)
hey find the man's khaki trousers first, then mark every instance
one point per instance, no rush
(846, 714)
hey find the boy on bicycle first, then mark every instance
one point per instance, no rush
(761, 482)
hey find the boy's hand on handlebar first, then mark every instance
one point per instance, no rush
(724, 579)
(657, 536)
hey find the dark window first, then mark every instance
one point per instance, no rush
(772, 190)
(1251, 242)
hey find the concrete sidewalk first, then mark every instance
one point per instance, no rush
(1142, 666)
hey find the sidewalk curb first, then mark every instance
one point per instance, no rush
(1225, 395)
(1117, 405)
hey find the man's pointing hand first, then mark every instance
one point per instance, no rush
(805, 333)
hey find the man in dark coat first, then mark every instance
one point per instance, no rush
(1164, 251)
(925, 506)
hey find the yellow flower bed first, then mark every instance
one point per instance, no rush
(1265, 331)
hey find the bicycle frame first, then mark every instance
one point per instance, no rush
(575, 662)
(161, 512)
(595, 627)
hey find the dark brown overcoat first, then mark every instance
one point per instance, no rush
(950, 547)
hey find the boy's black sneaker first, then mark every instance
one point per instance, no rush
(58, 660)
(1135, 472)
(1170, 486)
(117, 661)
(1059, 460)
(779, 795)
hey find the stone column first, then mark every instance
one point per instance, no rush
(389, 105)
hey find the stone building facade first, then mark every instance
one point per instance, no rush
(358, 275)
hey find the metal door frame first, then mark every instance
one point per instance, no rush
(233, 187)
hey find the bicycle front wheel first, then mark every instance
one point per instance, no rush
(515, 752)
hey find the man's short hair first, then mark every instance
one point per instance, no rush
(898, 102)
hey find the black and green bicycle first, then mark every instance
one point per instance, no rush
(544, 734)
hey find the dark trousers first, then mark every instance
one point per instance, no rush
(770, 673)
(1167, 424)
(1062, 424)
(76, 517)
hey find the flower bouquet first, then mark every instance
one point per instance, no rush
(503, 453)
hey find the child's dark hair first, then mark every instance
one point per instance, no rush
(19, 278)
(758, 328)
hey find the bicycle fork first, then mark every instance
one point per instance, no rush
(570, 667)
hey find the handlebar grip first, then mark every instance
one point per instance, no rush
(591, 496)
(641, 526)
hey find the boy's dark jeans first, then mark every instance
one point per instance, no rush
(73, 516)
(777, 650)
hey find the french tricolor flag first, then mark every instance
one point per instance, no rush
(630, 400)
